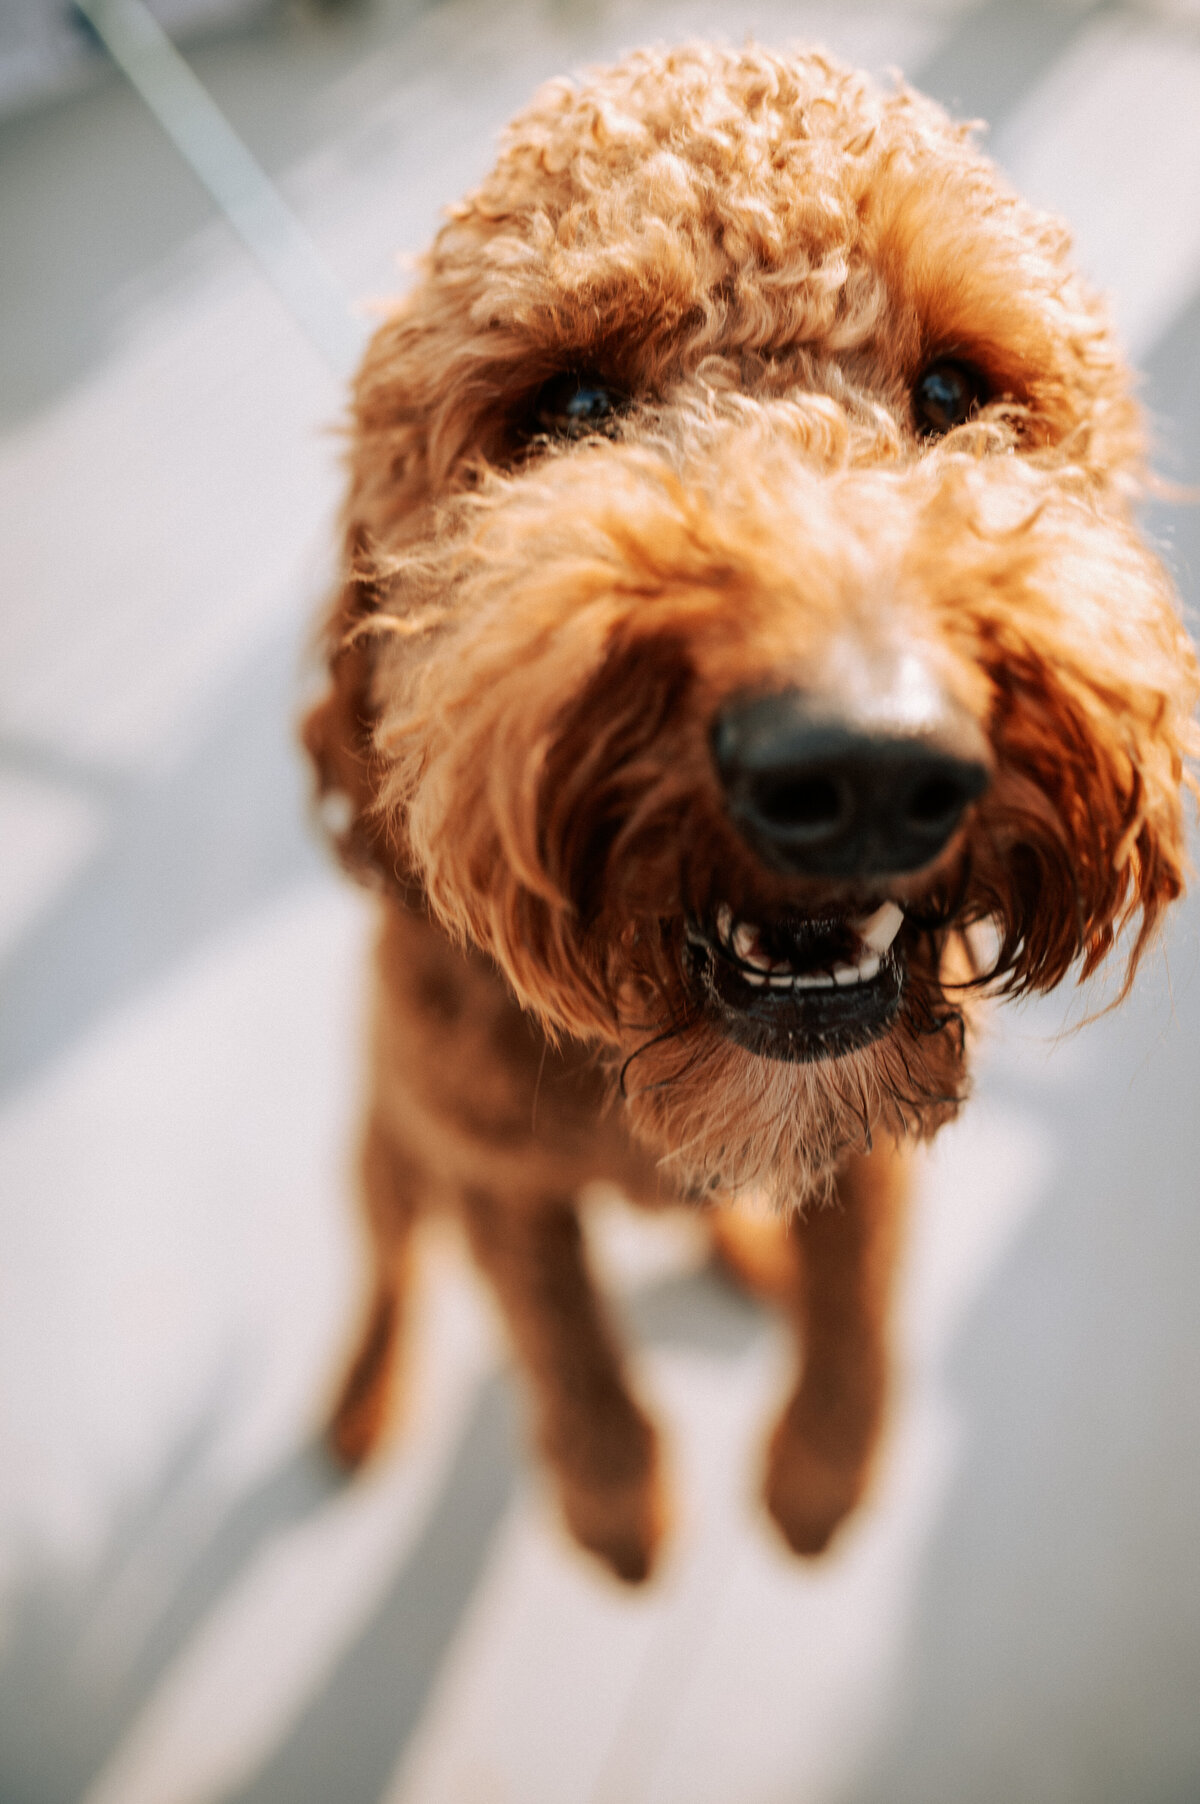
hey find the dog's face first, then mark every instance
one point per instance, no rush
(745, 605)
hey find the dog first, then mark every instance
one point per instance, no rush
(746, 659)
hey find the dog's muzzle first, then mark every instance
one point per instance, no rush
(857, 800)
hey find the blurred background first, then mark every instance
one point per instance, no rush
(191, 1608)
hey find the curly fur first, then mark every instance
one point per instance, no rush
(531, 640)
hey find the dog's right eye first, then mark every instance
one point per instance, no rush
(946, 394)
(575, 406)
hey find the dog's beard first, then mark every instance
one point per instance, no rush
(726, 1120)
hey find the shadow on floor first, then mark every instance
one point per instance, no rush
(188, 852)
(82, 1651)
(68, 1695)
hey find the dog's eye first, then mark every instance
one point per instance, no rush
(945, 394)
(573, 406)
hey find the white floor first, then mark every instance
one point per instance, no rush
(191, 1610)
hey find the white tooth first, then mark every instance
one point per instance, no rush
(781, 980)
(757, 978)
(878, 930)
(724, 921)
(814, 980)
(744, 940)
(862, 972)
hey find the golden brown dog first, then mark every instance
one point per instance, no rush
(742, 609)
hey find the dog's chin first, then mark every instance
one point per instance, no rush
(799, 988)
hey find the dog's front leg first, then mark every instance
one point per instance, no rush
(821, 1453)
(601, 1445)
(392, 1189)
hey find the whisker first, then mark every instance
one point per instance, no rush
(663, 1038)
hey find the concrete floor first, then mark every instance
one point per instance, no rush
(190, 1609)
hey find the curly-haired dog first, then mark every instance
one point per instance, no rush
(742, 608)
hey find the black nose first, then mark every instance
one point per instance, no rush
(819, 794)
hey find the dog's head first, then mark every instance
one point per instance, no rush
(743, 612)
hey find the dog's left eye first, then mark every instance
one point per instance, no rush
(573, 406)
(945, 394)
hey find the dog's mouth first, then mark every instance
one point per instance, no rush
(800, 987)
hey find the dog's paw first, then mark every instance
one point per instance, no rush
(623, 1525)
(811, 1490)
(361, 1415)
(623, 1528)
(352, 1434)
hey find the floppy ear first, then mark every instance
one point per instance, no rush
(1085, 830)
(394, 407)
(338, 730)
(1155, 846)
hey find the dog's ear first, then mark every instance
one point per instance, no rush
(1152, 852)
(1086, 845)
(394, 410)
(338, 730)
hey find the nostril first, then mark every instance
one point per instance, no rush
(936, 803)
(809, 806)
